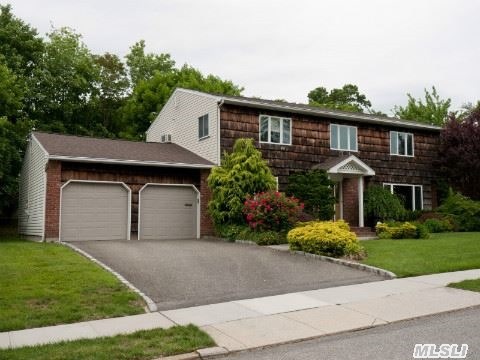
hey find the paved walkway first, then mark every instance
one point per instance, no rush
(244, 324)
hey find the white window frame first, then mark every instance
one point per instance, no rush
(391, 185)
(208, 126)
(349, 127)
(406, 145)
(270, 127)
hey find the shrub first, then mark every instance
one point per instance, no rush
(315, 190)
(404, 230)
(438, 225)
(243, 232)
(271, 210)
(329, 238)
(242, 172)
(381, 205)
(464, 212)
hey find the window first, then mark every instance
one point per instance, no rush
(411, 195)
(275, 130)
(203, 126)
(401, 143)
(343, 137)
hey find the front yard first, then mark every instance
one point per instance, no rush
(47, 284)
(442, 252)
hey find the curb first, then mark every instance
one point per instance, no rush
(152, 307)
(210, 352)
(372, 269)
(246, 242)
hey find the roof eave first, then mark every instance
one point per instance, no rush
(129, 162)
(332, 114)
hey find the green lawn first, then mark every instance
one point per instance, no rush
(45, 284)
(141, 345)
(472, 285)
(440, 253)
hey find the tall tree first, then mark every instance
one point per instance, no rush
(347, 98)
(459, 154)
(432, 110)
(142, 66)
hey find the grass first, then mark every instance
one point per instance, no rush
(148, 344)
(45, 284)
(440, 253)
(472, 285)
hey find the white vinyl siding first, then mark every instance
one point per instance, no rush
(401, 143)
(275, 130)
(343, 137)
(31, 211)
(412, 195)
(179, 118)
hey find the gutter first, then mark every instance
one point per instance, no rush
(219, 155)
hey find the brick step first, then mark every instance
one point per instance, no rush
(363, 231)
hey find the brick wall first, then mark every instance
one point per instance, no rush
(52, 206)
(206, 225)
(350, 201)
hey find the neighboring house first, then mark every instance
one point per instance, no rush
(80, 188)
(355, 149)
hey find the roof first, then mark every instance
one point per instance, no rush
(89, 149)
(317, 111)
(346, 164)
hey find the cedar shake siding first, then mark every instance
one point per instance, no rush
(311, 146)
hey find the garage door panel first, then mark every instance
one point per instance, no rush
(168, 212)
(94, 211)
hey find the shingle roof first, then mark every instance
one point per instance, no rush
(318, 111)
(80, 148)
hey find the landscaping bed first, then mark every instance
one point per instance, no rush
(147, 344)
(46, 284)
(443, 252)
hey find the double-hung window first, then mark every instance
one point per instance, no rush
(275, 130)
(203, 126)
(343, 137)
(401, 143)
(411, 195)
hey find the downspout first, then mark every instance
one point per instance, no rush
(219, 155)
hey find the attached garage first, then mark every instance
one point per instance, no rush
(168, 212)
(94, 211)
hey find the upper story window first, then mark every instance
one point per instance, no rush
(203, 126)
(275, 130)
(343, 137)
(401, 143)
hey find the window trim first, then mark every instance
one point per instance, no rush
(338, 137)
(391, 185)
(208, 127)
(281, 143)
(406, 145)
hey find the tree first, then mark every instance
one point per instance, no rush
(433, 110)
(143, 66)
(459, 152)
(347, 98)
(381, 205)
(149, 96)
(242, 172)
(11, 93)
(315, 190)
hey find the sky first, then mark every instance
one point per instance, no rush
(283, 49)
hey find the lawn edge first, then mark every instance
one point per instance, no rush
(151, 306)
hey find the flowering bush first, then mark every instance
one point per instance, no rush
(271, 210)
(330, 238)
(400, 230)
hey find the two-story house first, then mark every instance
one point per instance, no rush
(81, 188)
(355, 149)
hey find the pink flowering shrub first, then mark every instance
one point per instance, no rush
(271, 210)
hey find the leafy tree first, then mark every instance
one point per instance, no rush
(347, 98)
(381, 205)
(150, 95)
(315, 190)
(11, 93)
(242, 172)
(143, 66)
(433, 110)
(459, 152)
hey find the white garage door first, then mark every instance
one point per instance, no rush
(94, 211)
(167, 212)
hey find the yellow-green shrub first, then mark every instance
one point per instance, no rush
(330, 238)
(404, 230)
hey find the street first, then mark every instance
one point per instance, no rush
(393, 341)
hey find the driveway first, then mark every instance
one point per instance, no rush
(183, 273)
